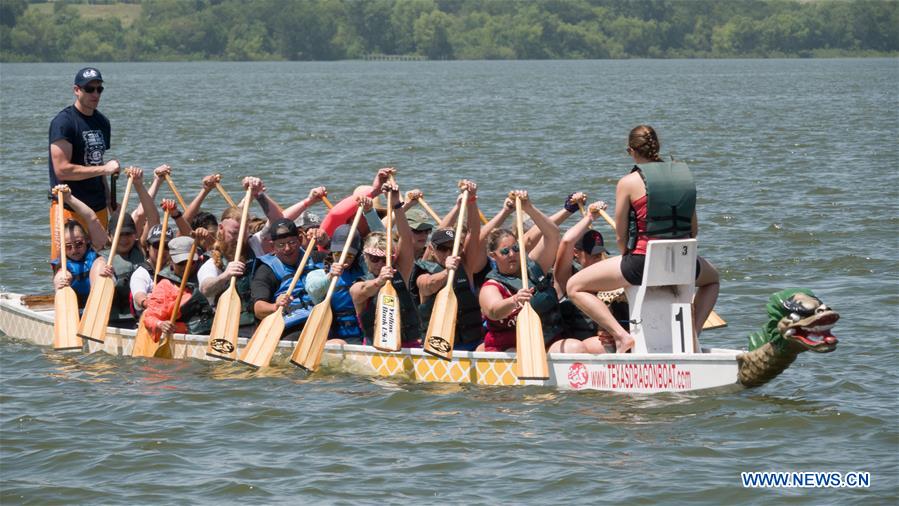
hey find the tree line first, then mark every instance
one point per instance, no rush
(451, 29)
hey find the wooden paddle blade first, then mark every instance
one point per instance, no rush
(96, 312)
(144, 345)
(223, 335)
(530, 348)
(166, 347)
(442, 327)
(65, 328)
(264, 342)
(311, 344)
(714, 321)
(388, 324)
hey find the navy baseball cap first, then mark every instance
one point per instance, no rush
(591, 243)
(340, 238)
(86, 75)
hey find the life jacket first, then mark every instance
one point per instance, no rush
(576, 324)
(196, 313)
(345, 324)
(545, 300)
(124, 266)
(670, 201)
(81, 274)
(469, 326)
(301, 305)
(409, 317)
(247, 316)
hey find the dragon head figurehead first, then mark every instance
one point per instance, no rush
(798, 320)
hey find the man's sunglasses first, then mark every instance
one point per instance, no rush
(91, 89)
(505, 251)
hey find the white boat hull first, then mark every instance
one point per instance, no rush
(631, 373)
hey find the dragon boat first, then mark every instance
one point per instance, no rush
(797, 322)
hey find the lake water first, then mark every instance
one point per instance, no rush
(796, 165)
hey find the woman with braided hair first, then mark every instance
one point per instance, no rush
(669, 214)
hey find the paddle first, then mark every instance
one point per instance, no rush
(388, 323)
(714, 321)
(227, 197)
(421, 200)
(167, 349)
(161, 248)
(442, 327)
(223, 335)
(65, 302)
(168, 179)
(327, 202)
(530, 348)
(95, 317)
(584, 213)
(311, 344)
(264, 342)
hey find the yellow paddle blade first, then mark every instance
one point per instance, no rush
(388, 325)
(442, 327)
(223, 335)
(264, 342)
(166, 347)
(65, 328)
(714, 321)
(144, 346)
(311, 344)
(530, 348)
(96, 312)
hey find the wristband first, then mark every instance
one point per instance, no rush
(399, 204)
(473, 198)
(570, 205)
(176, 216)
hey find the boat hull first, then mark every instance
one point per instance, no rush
(630, 373)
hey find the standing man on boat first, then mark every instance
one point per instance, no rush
(79, 137)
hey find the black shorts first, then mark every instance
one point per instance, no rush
(632, 268)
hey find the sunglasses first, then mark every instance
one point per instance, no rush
(443, 249)
(375, 259)
(505, 251)
(287, 245)
(75, 245)
(91, 89)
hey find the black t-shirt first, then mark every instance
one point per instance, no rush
(89, 136)
(264, 284)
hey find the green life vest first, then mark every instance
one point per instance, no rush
(196, 313)
(577, 325)
(545, 300)
(408, 311)
(469, 326)
(124, 266)
(670, 200)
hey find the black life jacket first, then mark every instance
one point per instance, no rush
(124, 266)
(545, 300)
(469, 325)
(411, 330)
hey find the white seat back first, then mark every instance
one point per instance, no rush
(661, 309)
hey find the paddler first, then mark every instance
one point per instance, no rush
(669, 214)
(79, 137)
(345, 328)
(129, 255)
(502, 295)
(580, 247)
(195, 314)
(472, 258)
(215, 274)
(274, 273)
(141, 283)
(365, 291)
(81, 248)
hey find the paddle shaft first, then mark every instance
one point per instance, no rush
(227, 197)
(584, 213)
(118, 225)
(161, 250)
(522, 254)
(430, 211)
(184, 277)
(389, 230)
(327, 202)
(241, 233)
(168, 179)
(457, 240)
(60, 223)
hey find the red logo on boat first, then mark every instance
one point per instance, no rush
(577, 375)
